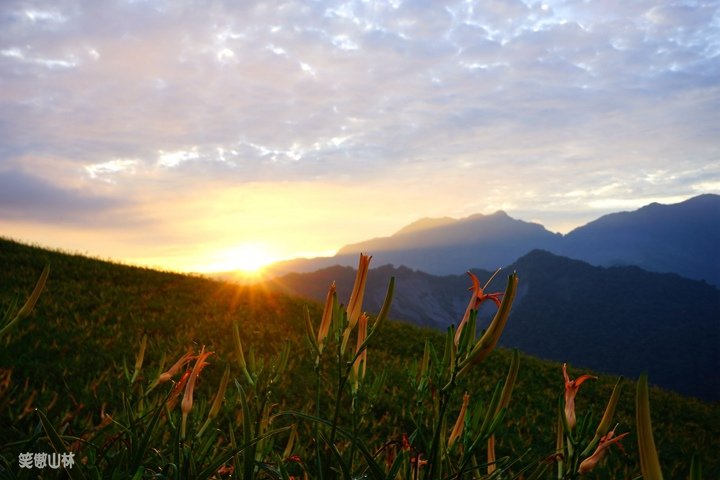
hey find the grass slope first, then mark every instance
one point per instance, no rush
(67, 359)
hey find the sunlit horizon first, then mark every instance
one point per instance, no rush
(250, 259)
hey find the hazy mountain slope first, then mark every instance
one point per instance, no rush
(420, 298)
(622, 320)
(683, 238)
(443, 246)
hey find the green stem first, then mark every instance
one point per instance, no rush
(317, 414)
(342, 380)
(338, 396)
(444, 397)
(354, 431)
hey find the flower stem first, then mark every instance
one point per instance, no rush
(432, 458)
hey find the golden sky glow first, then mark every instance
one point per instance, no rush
(192, 138)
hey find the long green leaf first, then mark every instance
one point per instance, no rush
(74, 472)
(649, 461)
(510, 379)
(309, 331)
(223, 458)
(343, 467)
(30, 303)
(249, 457)
(375, 470)
(139, 473)
(145, 440)
(400, 459)
(695, 468)
(539, 471)
(492, 409)
(606, 421)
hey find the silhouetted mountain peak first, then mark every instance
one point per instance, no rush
(426, 223)
(683, 238)
(445, 246)
(429, 223)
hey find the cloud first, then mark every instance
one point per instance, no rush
(26, 198)
(122, 101)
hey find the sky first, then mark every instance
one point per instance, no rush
(204, 136)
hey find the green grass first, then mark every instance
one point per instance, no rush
(72, 358)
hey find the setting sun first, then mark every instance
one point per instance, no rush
(247, 258)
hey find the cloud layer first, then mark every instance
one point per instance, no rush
(555, 111)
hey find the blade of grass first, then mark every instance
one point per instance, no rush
(649, 461)
(30, 303)
(223, 458)
(375, 469)
(338, 457)
(695, 468)
(59, 446)
(606, 421)
(248, 457)
(145, 440)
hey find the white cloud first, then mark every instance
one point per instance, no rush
(308, 69)
(44, 16)
(344, 42)
(175, 158)
(22, 55)
(107, 170)
(225, 55)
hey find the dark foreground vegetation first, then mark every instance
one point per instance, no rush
(145, 374)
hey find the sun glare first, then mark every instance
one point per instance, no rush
(248, 258)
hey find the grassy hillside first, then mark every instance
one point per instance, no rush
(74, 358)
(569, 311)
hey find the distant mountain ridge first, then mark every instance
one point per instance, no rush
(620, 320)
(681, 238)
(444, 248)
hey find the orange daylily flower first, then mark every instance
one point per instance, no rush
(179, 386)
(405, 442)
(226, 470)
(326, 318)
(591, 462)
(459, 423)
(187, 401)
(478, 296)
(571, 389)
(172, 371)
(416, 463)
(354, 307)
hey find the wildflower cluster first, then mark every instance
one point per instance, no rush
(571, 460)
(164, 427)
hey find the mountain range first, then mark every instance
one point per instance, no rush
(629, 292)
(620, 320)
(682, 238)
